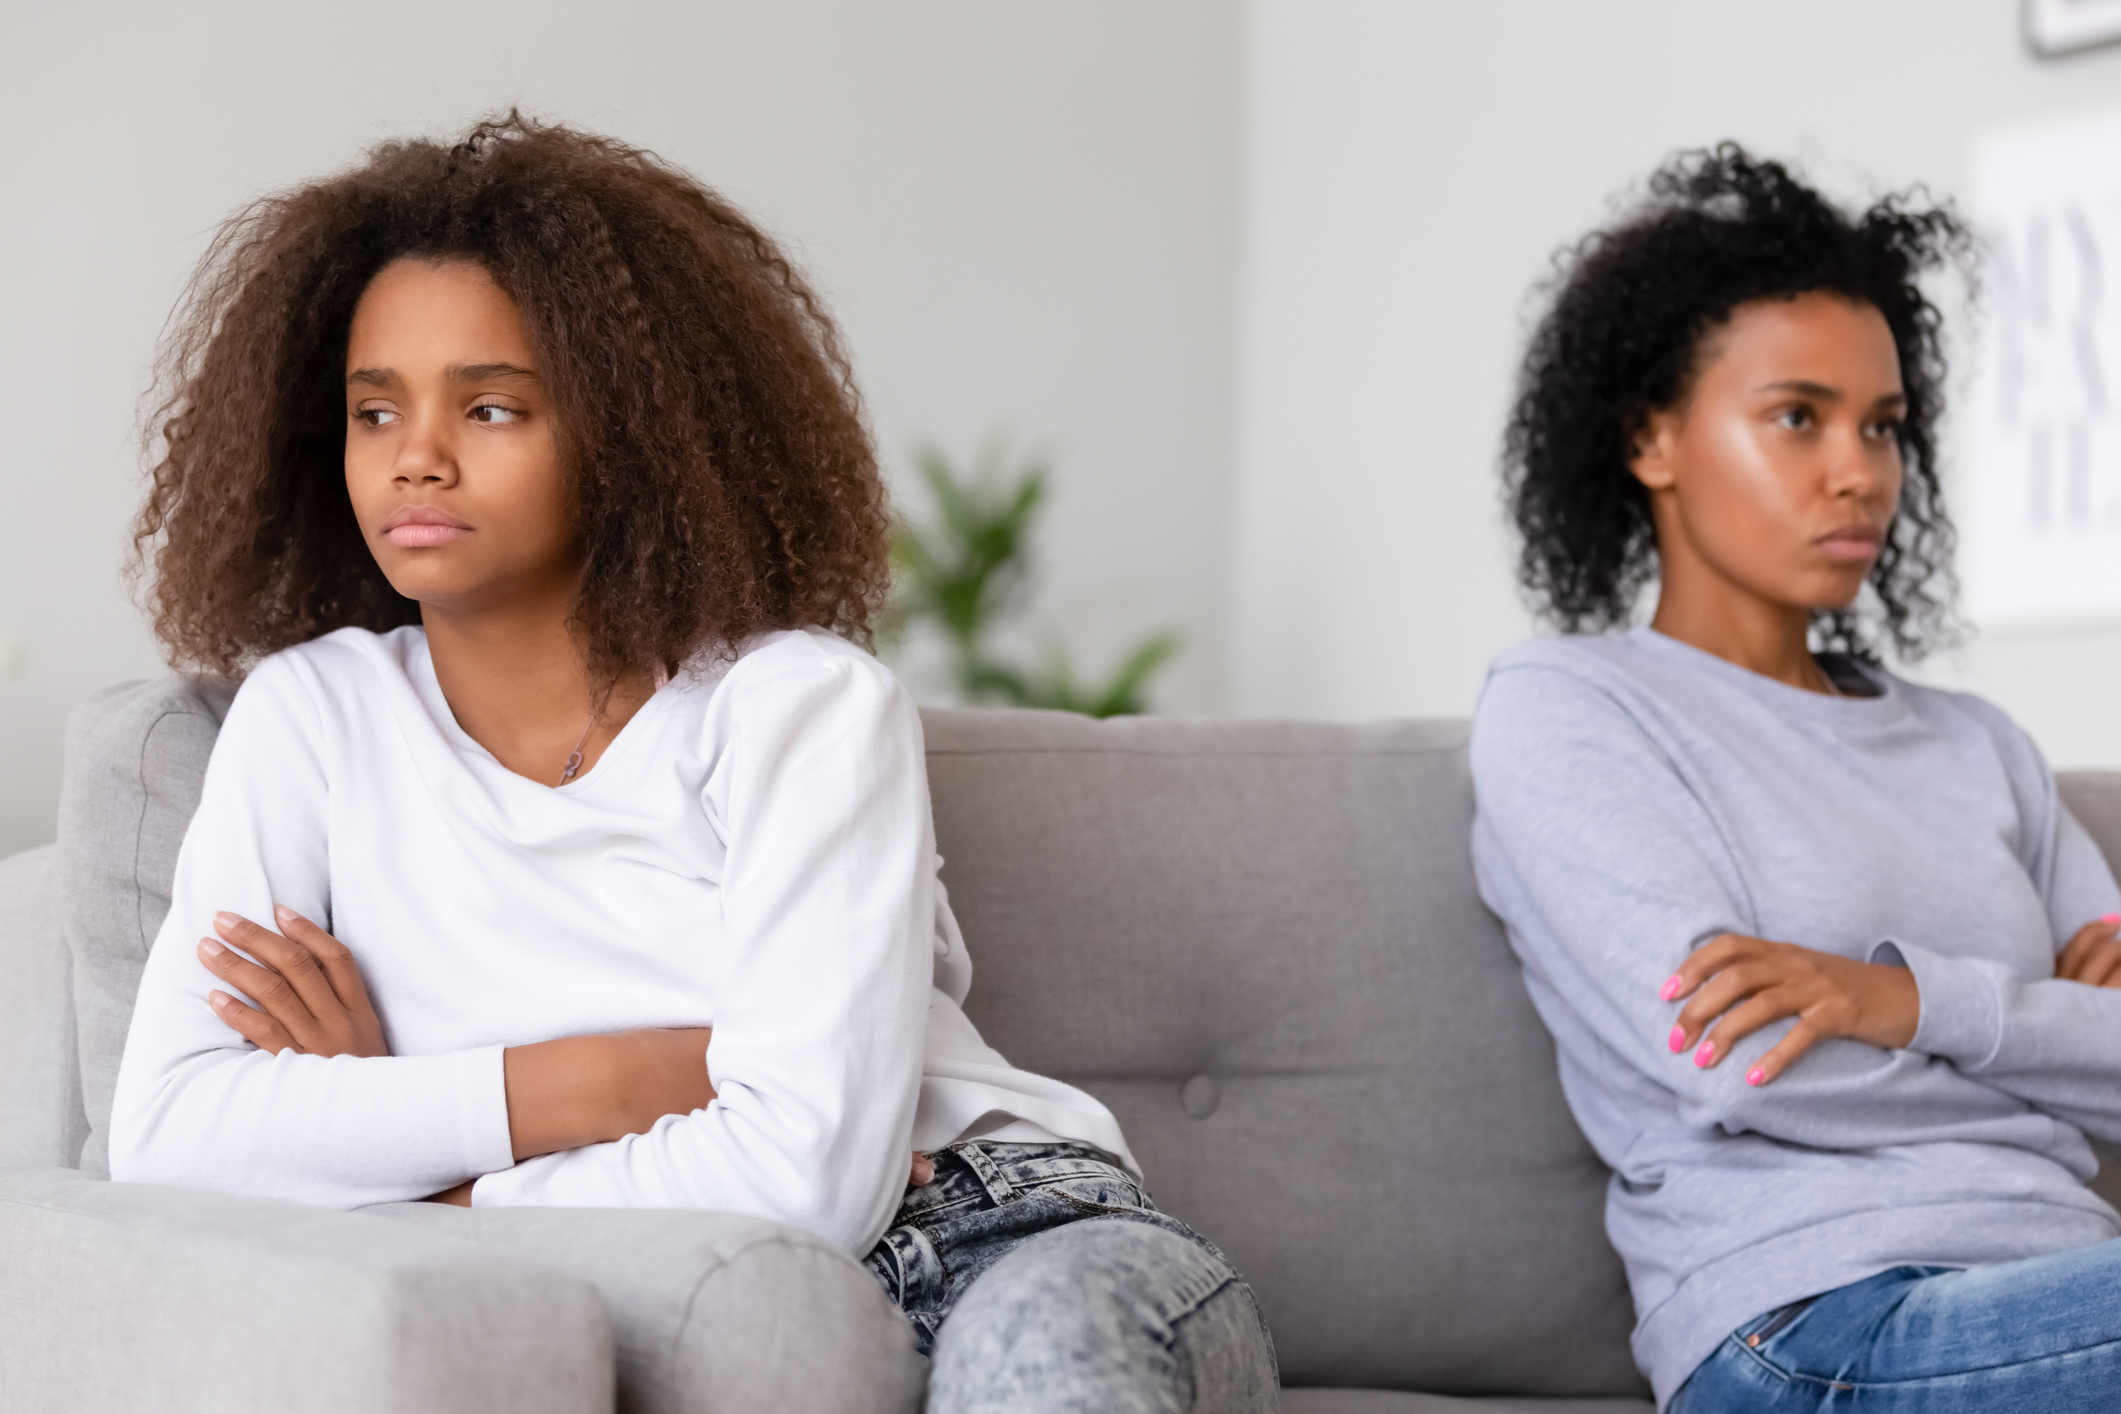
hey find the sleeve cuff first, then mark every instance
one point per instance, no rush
(482, 1110)
(1962, 1016)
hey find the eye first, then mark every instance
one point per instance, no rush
(1796, 419)
(1887, 429)
(375, 417)
(494, 413)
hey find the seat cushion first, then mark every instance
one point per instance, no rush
(1260, 944)
(135, 761)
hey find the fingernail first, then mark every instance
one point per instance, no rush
(2111, 919)
(1678, 1040)
(1671, 987)
(226, 920)
(1756, 1075)
(217, 1000)
(213, 948)
(285, 914)
(1706, 1054)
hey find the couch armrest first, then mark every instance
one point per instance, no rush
(715, 1312)
(122, 1297)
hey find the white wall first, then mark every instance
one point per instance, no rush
(1410, 170)
(1059, 218)
(1022, 214)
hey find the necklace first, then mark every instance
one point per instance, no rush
(574, 757)
(1833, 689)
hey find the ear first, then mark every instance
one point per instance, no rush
(1654, 446)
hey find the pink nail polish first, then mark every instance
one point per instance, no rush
(1678, 1040)
(2111, 919)
(1756, 1075)
(1706, 1054)
(1671, 987)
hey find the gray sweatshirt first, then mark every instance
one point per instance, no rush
(1637, 797)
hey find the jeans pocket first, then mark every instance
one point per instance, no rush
(909, 1267)
(1760, 1331)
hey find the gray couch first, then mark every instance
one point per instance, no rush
(1259, 942)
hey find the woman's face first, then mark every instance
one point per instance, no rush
(451, 461)
(1780, 472)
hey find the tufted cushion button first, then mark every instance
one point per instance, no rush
(1201, 1096)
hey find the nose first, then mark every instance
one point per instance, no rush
(425, 457)
(1858, 468)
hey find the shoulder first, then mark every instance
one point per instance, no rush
(347, 658)
(342, 669)
(1965, 715)
(1558, 707)
(813, 676)
(325, 687)
(1561, 677)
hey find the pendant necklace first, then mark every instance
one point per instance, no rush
(574, 758)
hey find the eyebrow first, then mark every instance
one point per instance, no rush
(460, 373)
(1822, 392)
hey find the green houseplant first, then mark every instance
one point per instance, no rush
(967, 574)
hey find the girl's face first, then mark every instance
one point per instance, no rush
(1780, 473)
(451, 462)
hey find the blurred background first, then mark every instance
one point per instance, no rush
(1251, 277)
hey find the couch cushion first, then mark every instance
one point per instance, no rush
(1260, 944)
(135, 760)
(41, 1122)
(715, 1311)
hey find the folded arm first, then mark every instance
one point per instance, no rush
(1611, 871)
(196, 1103)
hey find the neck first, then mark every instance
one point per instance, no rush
(1771, 640)
(517, 680)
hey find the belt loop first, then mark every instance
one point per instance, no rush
(990, 1177)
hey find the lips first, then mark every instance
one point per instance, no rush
(418, 527)
(1851, 542)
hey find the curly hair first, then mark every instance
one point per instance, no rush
(722, 472)
(1632, 309)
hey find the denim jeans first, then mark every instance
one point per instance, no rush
(1041, 1277)
(2039, 1335)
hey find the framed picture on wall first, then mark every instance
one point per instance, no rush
(2042, 519)
(2055, 27)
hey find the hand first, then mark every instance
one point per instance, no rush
(308, 992)
(1751, 982)
(2093, 957)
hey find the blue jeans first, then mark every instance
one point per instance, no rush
(2042, 1336)
(1041, 1277)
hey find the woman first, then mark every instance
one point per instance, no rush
(563, 845)
(1824, 957)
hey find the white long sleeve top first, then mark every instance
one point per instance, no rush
(753, 853)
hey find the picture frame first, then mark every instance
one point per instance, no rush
(2053, 28)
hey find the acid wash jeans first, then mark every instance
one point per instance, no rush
(2041, 1336)
(1040, 1277)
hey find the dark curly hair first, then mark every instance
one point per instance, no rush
(723, 475)
(1632, 308)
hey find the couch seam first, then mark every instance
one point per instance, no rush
(140, 825)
